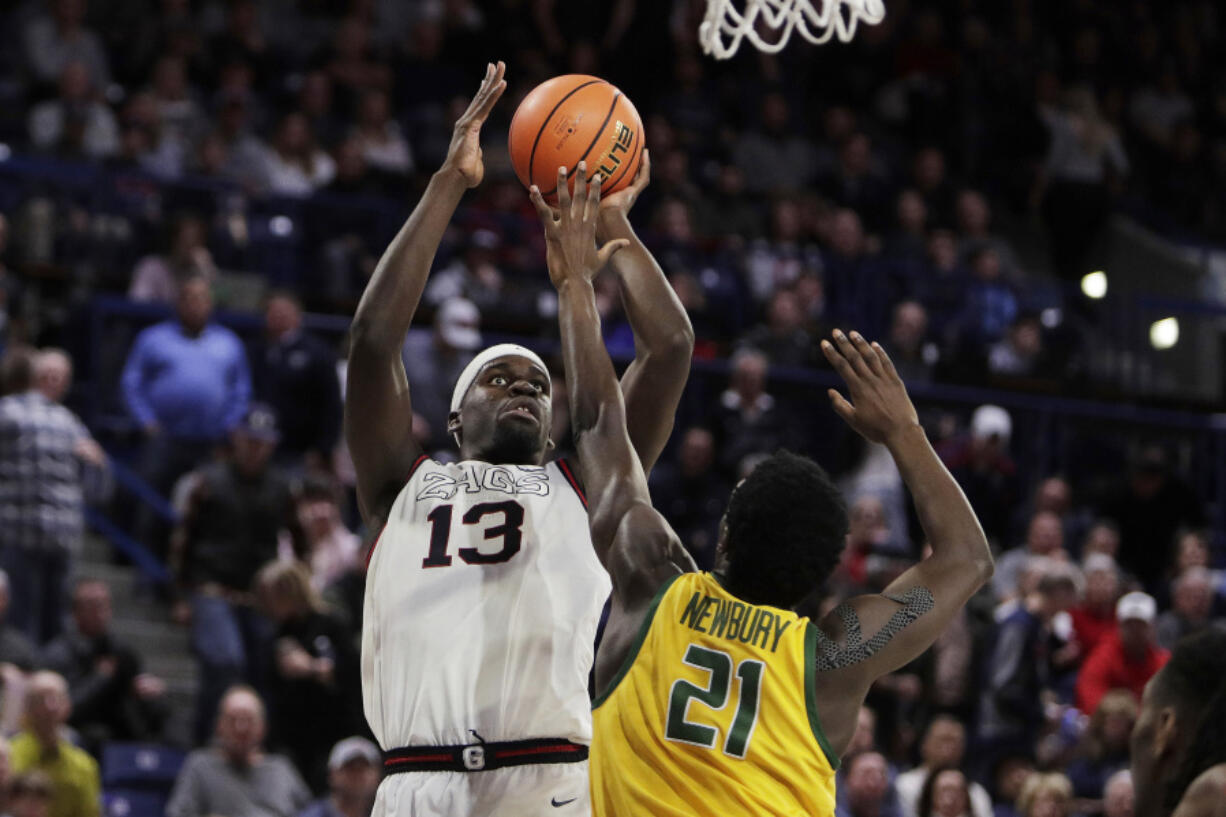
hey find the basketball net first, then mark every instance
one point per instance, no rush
(724, 26)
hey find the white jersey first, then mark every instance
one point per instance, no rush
(483, 595)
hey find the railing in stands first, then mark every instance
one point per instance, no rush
(1048, 427)
(150, 566)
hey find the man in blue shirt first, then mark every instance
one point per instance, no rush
(187, 384)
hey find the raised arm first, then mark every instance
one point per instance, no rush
(378, 412)
(633, 542)
(872, 635)
(663, 337)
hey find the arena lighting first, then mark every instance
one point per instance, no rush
(1164, 334)
(1051, 317)
(5, 152)
(1094, 284)
(281, 226)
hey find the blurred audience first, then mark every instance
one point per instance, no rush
(692, 494)
(16, 649)
(75, 124)
(355, 767)
(331, 550)
(1094, 618)
(946, 793)
(46, 454)
(186, 384)
(981, 464)
(748, 420)
(157, 278)
(42, 746)
(433, 361)
(236, 512)
(1150, 504)
(30, 794)
(1118, 795)
(295, 374)
(1019, 671)
(1044, 537)
(867, 785)
(1191, 608)
(1125, 659)
(1104, 749)
(112, 697)
(235, 776)
(1045, 795)
(944, 199)
(315, 686)
(941, 751)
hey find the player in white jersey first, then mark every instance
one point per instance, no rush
(483, 592)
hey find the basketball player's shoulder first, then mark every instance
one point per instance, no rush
(1206, 795)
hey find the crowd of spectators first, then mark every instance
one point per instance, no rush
(793, 192)
(237, 147)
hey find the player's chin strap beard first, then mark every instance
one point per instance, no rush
(509, 448)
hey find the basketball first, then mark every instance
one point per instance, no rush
(574, 118)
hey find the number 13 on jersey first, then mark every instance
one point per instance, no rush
(718, 666)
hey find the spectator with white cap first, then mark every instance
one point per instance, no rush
(1127, 658)
(354, 771)
(433, 361)
(981, 464)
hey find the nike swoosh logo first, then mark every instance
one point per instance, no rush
(556, 804)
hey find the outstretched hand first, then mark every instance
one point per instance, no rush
(879, 408)
(570, 231)
(464, 154)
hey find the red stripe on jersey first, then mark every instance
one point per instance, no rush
(418, 759)
(416, 464)
(412, 470)
(371, 552)
(574, 483)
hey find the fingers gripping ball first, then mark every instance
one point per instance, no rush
(575, 118)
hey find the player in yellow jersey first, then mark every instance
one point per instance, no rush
(713, 697)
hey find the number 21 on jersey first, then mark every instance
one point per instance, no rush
(718, 666)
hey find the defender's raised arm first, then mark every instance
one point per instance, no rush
(872, 635)
(616, 484)
(378, 412)
(663, 336)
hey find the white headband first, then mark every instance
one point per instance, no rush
(483, 359)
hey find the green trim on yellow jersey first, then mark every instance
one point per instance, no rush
(638, 641)
(811, 636)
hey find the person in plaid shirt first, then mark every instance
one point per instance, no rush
(47, 461)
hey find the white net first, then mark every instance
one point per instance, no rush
(817, 21)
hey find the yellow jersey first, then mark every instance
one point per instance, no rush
(713, 713)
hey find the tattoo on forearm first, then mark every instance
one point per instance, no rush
(915, 602)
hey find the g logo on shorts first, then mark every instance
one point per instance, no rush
(474, 758)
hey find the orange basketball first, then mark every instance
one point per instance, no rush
(574, 118)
